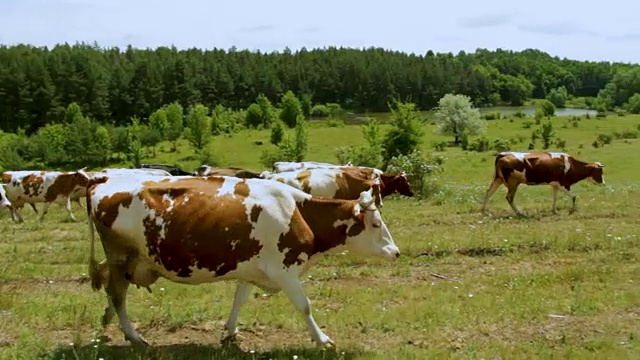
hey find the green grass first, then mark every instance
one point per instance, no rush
(467, 286)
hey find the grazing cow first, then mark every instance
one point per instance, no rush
(195, 230)
(41, 186)
(559, 170)
(285, 166)
(206, 170)
(3, 197)
(173, 170)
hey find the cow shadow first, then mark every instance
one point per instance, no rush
(195, 351)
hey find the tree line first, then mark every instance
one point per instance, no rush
(113, 85)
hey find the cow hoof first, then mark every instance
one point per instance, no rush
(327, 344)
(140, 342)
(230, 339)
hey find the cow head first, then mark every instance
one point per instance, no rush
(402, 186)
(3, 196)
(203, 170)
(595, 173)
(81, 178)
(370, 235)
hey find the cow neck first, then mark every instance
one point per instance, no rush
(321, 215)
(579, 170)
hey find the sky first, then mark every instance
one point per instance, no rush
(581, 30)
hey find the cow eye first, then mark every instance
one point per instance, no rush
(376, 224)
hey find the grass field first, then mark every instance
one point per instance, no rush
(467, 286)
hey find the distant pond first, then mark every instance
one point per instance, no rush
(355, 118)
(530, 110)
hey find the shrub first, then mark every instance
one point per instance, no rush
(527, 124)
(629, 134)
(439, 145)
(419, 170)
(561, 143)
(481, 144)
(492, 116)
(320, 110)
(500, 145)
(333, 122)
(604, 139)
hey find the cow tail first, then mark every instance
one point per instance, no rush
(498, 170)
(94, 273)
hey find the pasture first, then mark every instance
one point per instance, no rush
(466, 285)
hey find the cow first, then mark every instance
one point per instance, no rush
(173, 170)
(345, 183)
(134, 172)
(3, 197)
(559, 170)
(206, 170)
(285, 166)
(34, 186)
(195, 230)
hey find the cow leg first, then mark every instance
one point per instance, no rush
(291, 286)
(117, 294)
(68, 207)
(45, 208)
(570, 194)
(511, 194)
(15, 214)
(555, 199)
(242, 294)
(495, 184)
(33, 206)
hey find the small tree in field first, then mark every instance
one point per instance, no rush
(290, 109)
(198, 130)
(548, 108)
(175, 123)
(406, 133)
(277, 132)
(547, 134)
(455, 114)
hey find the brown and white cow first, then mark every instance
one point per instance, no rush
(285, 166)
(559, 170)
(41, 186)
(344, 183)
(206, 170)
(3, 197)
(197, 230)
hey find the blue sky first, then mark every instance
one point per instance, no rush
(604, 30)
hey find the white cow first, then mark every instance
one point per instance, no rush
(196, 230)
(282, 166)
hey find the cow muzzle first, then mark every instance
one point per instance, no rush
(391, 252)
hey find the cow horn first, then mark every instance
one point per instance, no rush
(599, 164)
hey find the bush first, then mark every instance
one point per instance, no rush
(604, 139)
(547, 134)
(277, 132)
(500, 145)
(481, 144)
(561, 143)
(406, 132)
(369, 155)
(527, 124)
(439, 145)
(333, 122)
(519, 114)
(629, 134)
(492, 116)
(320, 111)
(419, 170)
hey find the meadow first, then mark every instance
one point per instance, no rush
(466, 285)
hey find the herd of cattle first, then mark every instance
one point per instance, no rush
(262, 229)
